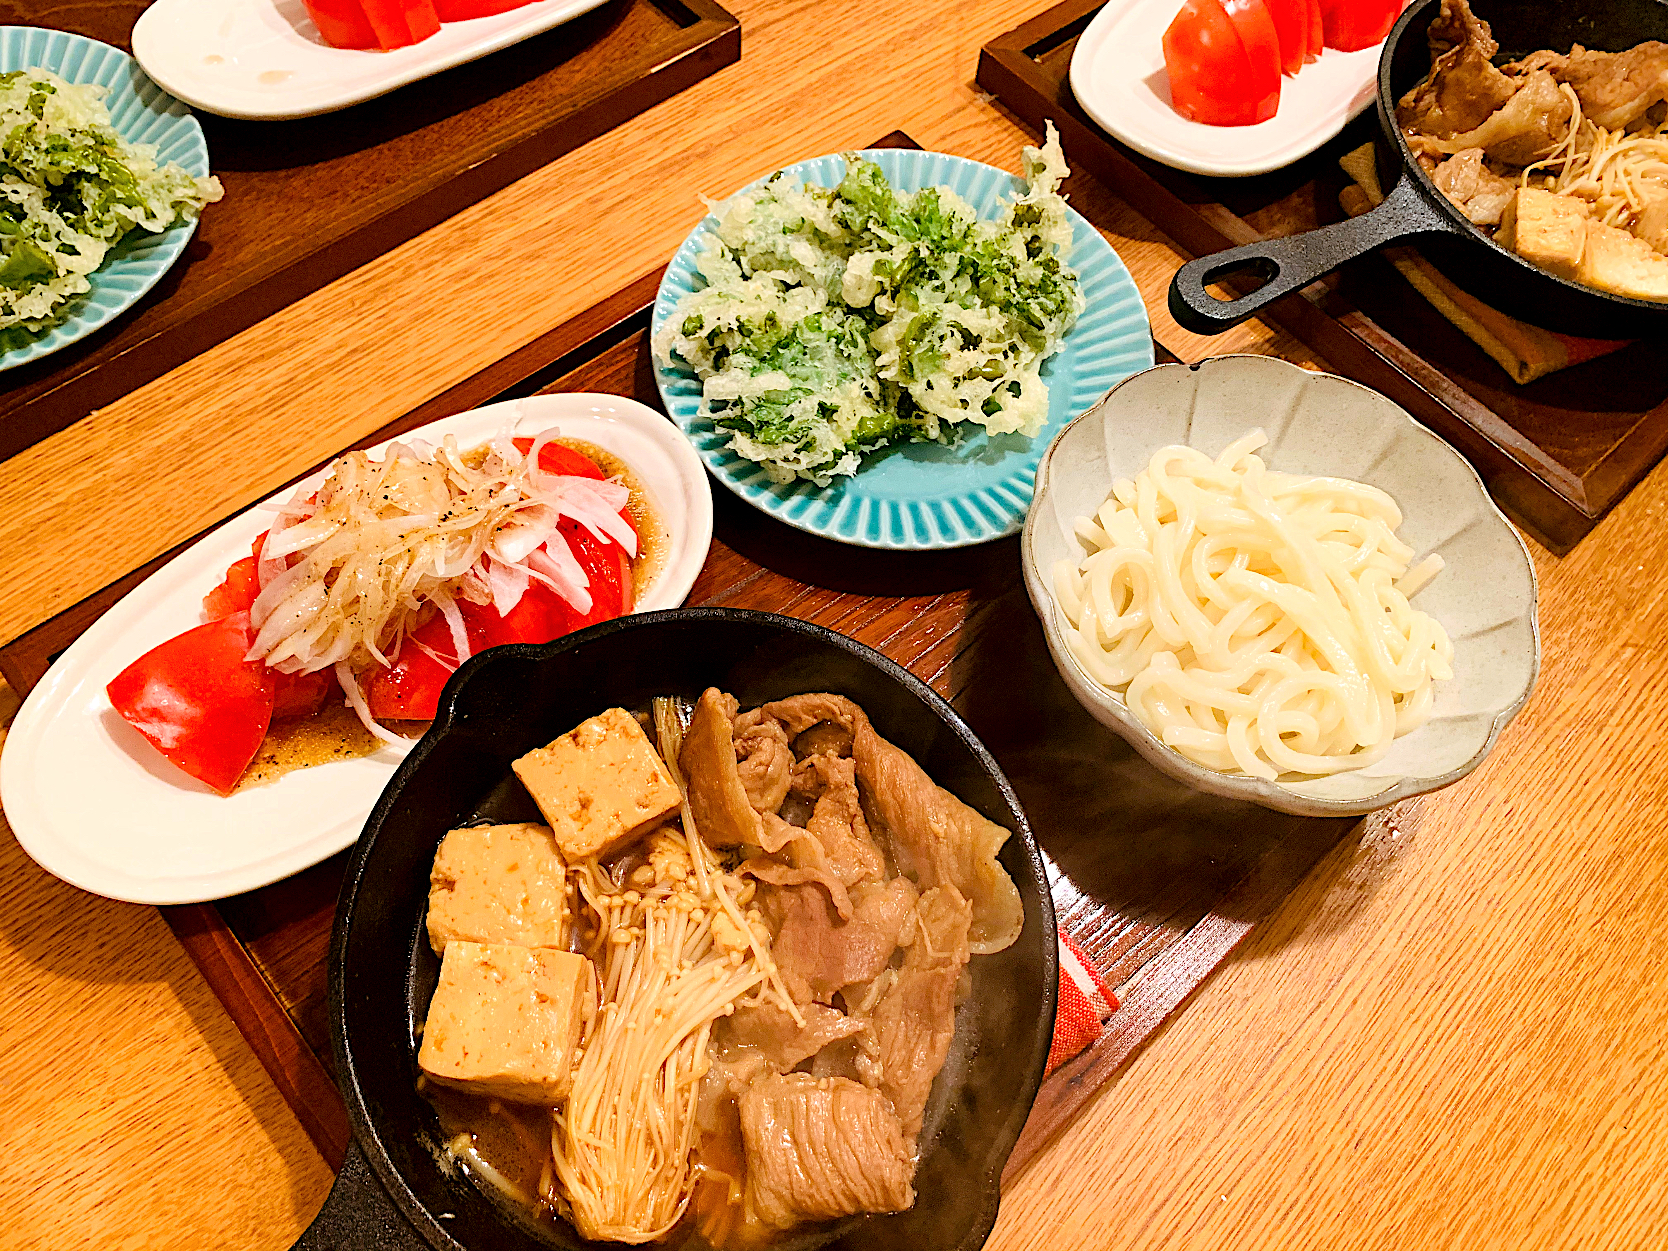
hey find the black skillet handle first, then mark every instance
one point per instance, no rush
(1292, 263)
(359, 1215)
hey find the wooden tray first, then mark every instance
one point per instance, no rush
(1156, 883)
(1558, 454)
(308, 200)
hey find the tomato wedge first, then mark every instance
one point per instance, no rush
(240, 588)
(559, 458)
(1291, 24)
(1261, 38)
(409, 690)
(607, 566)
(1224, 62)
(538, 616)
(236, 594)
(302, 694)
(1350, 25)
(198, 701)
(1317, 31)
(373, 23)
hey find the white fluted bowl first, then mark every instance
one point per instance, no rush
(1317, 424)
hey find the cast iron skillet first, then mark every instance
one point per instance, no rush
(392, 1193)
(1416, 211)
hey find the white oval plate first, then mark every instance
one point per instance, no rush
(264, 59)
(94, 803)
(1118, 76)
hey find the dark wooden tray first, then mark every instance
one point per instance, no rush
(1557, 454)
(308, 200)
(1156, 883)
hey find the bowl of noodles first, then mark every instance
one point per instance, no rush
(1279, 587)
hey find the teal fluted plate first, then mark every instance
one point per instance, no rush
(141, 112)
(922, 496)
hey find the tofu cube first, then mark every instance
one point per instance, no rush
(1618, 261)
(498, 884)
(599, 786)
(1546, 229)
(506, 1021)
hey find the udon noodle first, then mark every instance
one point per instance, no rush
(1256, 622)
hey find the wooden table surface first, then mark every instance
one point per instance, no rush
(1454, 1034)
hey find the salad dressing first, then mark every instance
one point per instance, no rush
(333, 733)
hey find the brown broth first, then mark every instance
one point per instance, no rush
(513, 1139)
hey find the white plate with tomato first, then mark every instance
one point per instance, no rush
(265, 60)
(96, 802)
(1230, 88)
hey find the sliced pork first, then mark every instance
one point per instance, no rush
(933, 834)
(764, 761)
(1476, 191)
(782, 1042)
(837, 818)
(1616, 89)
(1464, 88)
(817, 1149)
(916, 1019)
(817, 953)
(1528, 127)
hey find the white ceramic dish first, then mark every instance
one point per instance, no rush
(1118, 76)
(1317, 424)
(95, 804)
(265, 60)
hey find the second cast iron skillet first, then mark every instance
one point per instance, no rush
(1416, 212)
(395, 1191)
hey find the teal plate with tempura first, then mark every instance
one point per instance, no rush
(925, 496)
(141, 112)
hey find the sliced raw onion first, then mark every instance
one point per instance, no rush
(356, 698)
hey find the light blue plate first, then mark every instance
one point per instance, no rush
(141, 112)
(924, 495)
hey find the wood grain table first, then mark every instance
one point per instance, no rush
(1453, 1034)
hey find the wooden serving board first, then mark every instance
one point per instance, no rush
(309, 200)
(1156, 883)
(1558, 454)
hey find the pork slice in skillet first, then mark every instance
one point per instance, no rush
(764, 760)
(933, 835)
(795, 857)
(818, 953)
(1616, 89)
(1527, 128)
(1463, 88)
(783, 1043)
(821, 1148)
(837, 820)
(1482, 195)
(916, 1019)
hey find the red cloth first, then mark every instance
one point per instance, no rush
(1085, 1004)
